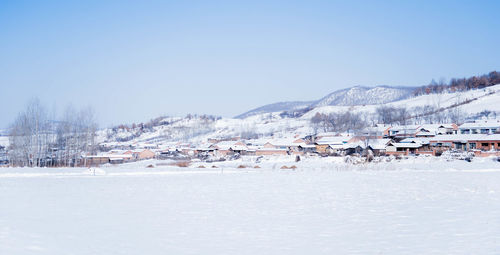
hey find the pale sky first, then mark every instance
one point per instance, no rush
(135, 60)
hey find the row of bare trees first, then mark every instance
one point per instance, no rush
(460, 84)
(36, 139)
(349, 121)
(339, 122)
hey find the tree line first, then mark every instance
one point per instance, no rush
(37, 139)
(339, 122)
(354, 122)
(460, 84)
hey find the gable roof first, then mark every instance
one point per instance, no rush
(286, 142)
(481, 124)
(413, 145)
(332, 140)
(378, 144)
(230, 145)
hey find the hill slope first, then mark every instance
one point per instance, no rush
(277, 107)
(358, 95)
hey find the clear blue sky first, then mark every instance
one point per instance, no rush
(132, 61)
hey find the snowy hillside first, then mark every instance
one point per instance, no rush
(364, 95)
(468, 102)
(358, 95)
(164, 129)
(276, 107)
(199, 129)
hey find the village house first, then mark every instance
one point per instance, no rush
(422, 132)
(307, 148)
(378, 146)
(172, 153)
(401, 132)
(478, 143)
(480, 127)
(488, 145)
(204, 150)
(291, 145)
(141, 154)
(489, 142)
(353, 148)
(331, 144)
(425, 130)
(425, 143)
(407, 148)
(229, 148)
(441, 129)
(462, 142)
(378, 132)
(269, 151)
(107, 158)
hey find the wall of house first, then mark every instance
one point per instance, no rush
(488, 145)
(146, 154)
(270, 152)
(321, 148)
(95, 161)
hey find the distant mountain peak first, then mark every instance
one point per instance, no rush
(276, 107)
(357, 95)
(362, 95)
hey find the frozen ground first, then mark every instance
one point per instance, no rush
(430, 207)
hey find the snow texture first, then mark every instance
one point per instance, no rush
(417, 206)
(360, 95)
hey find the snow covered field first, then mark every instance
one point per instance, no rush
(424, 207)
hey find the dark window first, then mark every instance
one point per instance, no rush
(485, 144)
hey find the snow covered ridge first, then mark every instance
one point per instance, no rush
(276, 107)
(467, 103)
(359, 95)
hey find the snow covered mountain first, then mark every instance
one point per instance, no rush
(359, 95)
(277, 107)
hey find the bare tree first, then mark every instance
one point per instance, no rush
(30, 135)
(36, 141)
